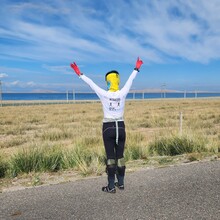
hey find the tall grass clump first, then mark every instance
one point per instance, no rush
(76, 157)
(36, 160)
(25, 161)
(86, 160)
(52, 160)
(177, 145)
(3, 168)
(133, 149)
(134, 152)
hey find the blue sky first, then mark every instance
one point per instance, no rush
(178, 40)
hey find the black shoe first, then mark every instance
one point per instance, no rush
(108, 190)
(121, 187)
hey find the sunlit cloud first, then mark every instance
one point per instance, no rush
(32, 86)
(3, 75)
(51, 34)
(14, 83)
(160, 30)
(59, 69)
(20, 84)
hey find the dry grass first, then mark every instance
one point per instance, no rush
(71, 126)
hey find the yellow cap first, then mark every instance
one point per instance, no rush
(112, 78)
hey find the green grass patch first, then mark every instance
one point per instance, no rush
(53, 158)
(36, 159)
(86, 160)
(134, 152)
(3, 168)
(176, 145)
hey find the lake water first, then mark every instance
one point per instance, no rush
(93, 96)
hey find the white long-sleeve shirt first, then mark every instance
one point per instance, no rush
(113, 103)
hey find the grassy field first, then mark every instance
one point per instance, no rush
(49, 138)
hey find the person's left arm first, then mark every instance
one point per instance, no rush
(129, 82)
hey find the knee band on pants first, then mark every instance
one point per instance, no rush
(111, 167)
(121, 167)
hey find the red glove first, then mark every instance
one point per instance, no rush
(75, 68)
(138, 64)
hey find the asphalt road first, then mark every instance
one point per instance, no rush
(189, 191)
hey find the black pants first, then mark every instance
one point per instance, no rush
(114, 137)
(114, 150)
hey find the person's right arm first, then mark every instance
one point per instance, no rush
(97, 89)
(87, 80)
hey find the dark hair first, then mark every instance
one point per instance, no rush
(112, 71)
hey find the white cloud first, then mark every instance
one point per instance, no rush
(14, 83)
(3, 75)
(20, 84)
(31, 84)
(59, 69)
(116, 30)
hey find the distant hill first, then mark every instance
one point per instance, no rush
(154, 90)
(43, 91)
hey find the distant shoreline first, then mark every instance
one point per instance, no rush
(5, 103)
(132, 91)
(10, 99)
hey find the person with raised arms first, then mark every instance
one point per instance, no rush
(113, 130)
